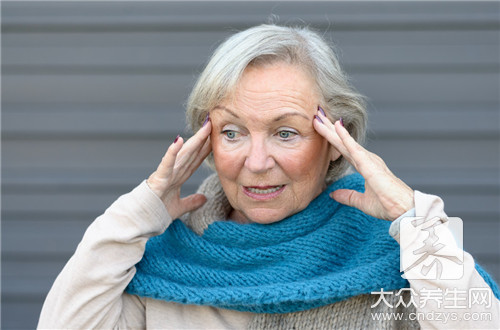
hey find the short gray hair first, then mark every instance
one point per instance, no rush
(267, 44)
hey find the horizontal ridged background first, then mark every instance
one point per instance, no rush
(93, 93)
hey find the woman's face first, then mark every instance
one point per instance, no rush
(269, 158)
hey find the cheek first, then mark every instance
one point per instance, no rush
(308, 162)
(226, 161)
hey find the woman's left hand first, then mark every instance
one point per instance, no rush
(386, 196)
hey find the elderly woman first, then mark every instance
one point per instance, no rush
(283, 235)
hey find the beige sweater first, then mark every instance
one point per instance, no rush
(89, 292)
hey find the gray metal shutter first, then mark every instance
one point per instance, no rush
(93, 93)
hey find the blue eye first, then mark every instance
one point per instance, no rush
(230, 134)
(285, 135)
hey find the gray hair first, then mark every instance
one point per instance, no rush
(268, 44)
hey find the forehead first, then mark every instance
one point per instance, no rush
(276, 77)
(272, 87)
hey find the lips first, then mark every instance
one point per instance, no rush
(263, 192)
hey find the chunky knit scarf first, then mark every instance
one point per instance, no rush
(326, 253)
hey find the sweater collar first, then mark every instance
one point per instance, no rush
(326, 253)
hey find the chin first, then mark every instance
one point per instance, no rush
(265, 216)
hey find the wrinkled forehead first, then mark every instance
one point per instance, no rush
(273, 82)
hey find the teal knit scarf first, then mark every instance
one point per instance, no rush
(326, 253)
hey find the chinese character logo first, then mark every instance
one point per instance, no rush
(431, 248)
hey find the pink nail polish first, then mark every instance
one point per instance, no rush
(177, 138)
(207, 118)
(319, 119)
(321, 110)
(341, 121)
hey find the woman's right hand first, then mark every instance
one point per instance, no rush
(180, 161)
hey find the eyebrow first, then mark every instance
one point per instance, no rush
(280, 117)
(290, 114)
(226, 109)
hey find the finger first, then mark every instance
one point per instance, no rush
(168, 161)
(191, 203)
(193, 165)
(194, 144)
(199, 138)
(348, 197)
(193, 158)
(365, 162)
(327, 130)
(325, 120)
(203, 152)
(354, 149)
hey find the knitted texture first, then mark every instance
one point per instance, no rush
(353, 313)
(326, 253)
(489, 280)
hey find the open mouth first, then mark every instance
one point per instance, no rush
(263, 192)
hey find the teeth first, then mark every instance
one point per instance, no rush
(264, 191)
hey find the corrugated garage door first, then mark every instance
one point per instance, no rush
(93, 93)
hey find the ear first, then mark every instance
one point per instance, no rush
(334, 153)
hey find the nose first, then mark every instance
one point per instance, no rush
(258, 159)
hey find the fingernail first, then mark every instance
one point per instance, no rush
(315, 116)
(207, 118)
(341, 121)
(177, 138)
(321, 110)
